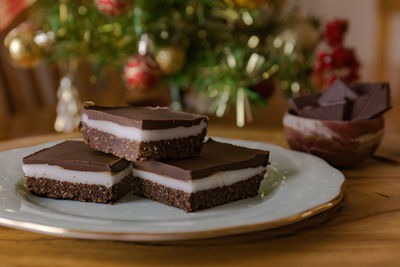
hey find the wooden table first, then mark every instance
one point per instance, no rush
(363, 229)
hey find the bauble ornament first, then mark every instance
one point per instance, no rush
(21, 47)
(45, 40)
(249, 4)
(113, 7)
(307, 34)
(170, 59)
(141, 72)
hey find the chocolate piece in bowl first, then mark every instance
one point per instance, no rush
(341, 128)
(221, 174)
(73, 170)
(336, 111)
(143, 133)
(338, 92)
(360, 101)
(363, 88)
(374, 101)
(303, 102)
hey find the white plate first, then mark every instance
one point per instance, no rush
(298, 186)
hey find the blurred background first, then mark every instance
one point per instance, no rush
(235, 60)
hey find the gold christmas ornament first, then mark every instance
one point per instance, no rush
(21, 47)
(44, 39)
(306, 34)
(170, 59)
(249, 4)
(303, 34)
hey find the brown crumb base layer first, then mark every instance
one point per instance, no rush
(199, 200)
(152, 150)
(50, 188)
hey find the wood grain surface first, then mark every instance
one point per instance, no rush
(362, 230)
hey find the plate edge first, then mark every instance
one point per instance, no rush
(196, 235)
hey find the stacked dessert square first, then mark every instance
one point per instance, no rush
(72, 170)
(222, 173)
(143, 133)
(155, 152)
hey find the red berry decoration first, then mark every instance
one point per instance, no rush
(141, 73)
(338, 61)
(113, 7)
(334, 32)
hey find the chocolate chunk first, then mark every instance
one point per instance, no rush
(146, 118)
(364, 88)
(75, 155)
(298, 103)
(361, 101)
(215, 156)
(374, 101)
(337, 111)
(339, 91)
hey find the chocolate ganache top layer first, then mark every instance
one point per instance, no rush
(215, 157)
(76, 155)
(145, 118)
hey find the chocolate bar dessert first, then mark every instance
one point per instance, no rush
(73, 170)
(143, 133)
(222, 173)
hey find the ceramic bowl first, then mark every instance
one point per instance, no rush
(341, 143)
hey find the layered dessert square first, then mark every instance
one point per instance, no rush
(143, 133)
(222, 173)
(73, 170)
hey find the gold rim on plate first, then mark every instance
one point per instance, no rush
(132, 236)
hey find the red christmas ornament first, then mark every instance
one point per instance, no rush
(141, 72)
(113, 7)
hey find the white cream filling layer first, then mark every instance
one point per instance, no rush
(139, 135)
(107, 179)
(219, 179)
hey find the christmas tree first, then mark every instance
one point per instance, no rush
(231, 51)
